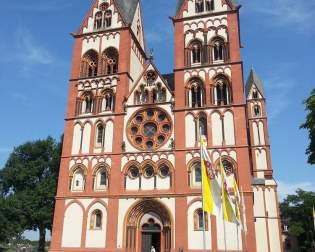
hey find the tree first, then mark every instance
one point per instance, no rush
(296, 210)
(30, 178)
(309, 124)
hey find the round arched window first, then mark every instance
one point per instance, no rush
(148, 171)
(164, 171)
(133, 172)
(149, 129)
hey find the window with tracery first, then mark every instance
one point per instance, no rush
(222, 92)
(195, 94)
(159, 94)
(103, 18)
(110, 61)
(149, 129)
(96, 221)
(89, 64)
(219, 50)
(108, 102)
(196, 52)
(87, 103)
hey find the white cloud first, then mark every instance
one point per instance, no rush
(285, 188)
(298, 14)
(29, 51)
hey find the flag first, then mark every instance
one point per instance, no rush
(314, 216)
(229, 214)
(237, 200)
(210, 186)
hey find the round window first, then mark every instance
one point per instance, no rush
(149, 172)
(133, 172)
(149, 129)
(164, 171)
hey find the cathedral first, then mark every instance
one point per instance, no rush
(130, 176)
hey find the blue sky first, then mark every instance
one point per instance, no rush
(277, 35)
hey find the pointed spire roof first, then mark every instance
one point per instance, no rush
(180, 3)
(252, 80)
(128, 9)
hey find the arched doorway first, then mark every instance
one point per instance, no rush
(148, 224)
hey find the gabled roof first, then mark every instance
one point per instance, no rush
(252, 80)
(169, 79)
(128, 9)
(180, 3)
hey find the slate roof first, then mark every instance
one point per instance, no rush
(169, 79)
(253, 79)
(180, 3)
(128, 9)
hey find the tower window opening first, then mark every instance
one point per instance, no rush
(196, 53)
(257, 111)
(199, 220)
(110, 61)
(108, 19)
(222, 92)
(98, 20)
(218, 51)
(87, 104)
(100, 136)
(89, 64)
(96, 220)
(209, 5)
(199, 6)
(255, 94)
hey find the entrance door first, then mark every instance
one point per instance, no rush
(151, 237)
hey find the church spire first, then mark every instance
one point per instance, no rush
(254, 80)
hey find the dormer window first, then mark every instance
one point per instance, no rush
(199, 6)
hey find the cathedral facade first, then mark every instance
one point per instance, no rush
(130, 176)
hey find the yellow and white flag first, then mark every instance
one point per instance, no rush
(229, 214)
(238, 202)
(314, 216)
(210, 186)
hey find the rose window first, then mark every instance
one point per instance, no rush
(149, 129)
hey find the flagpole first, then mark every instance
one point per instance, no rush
(224, 228)
(203, 212)
(244, 220)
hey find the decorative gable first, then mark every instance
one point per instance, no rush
(104, 15)
(150, 88)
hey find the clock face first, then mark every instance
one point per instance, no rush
(149, 129)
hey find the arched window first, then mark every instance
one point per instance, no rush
(195, 177)
(209, 5)
(101, 179)
(219, 51)
(144, 97)
(203, 125)
(108, 103)
(78, 180)
(199, 6)
(89, 64)
(222, 92)
(159, 94)
(196, 52)
(108, 19)
(137, 99)
(255, 94)
(87, 104)
(100, 136)
(198, 220)
(96, 221)
(227, 164)
(98, 20)
(257, 111)
(110, 61)
(195, 94)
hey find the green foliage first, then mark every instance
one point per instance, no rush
(297, 211)
(309, 124)
(29, 181)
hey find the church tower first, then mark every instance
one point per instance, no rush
(130, 175)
